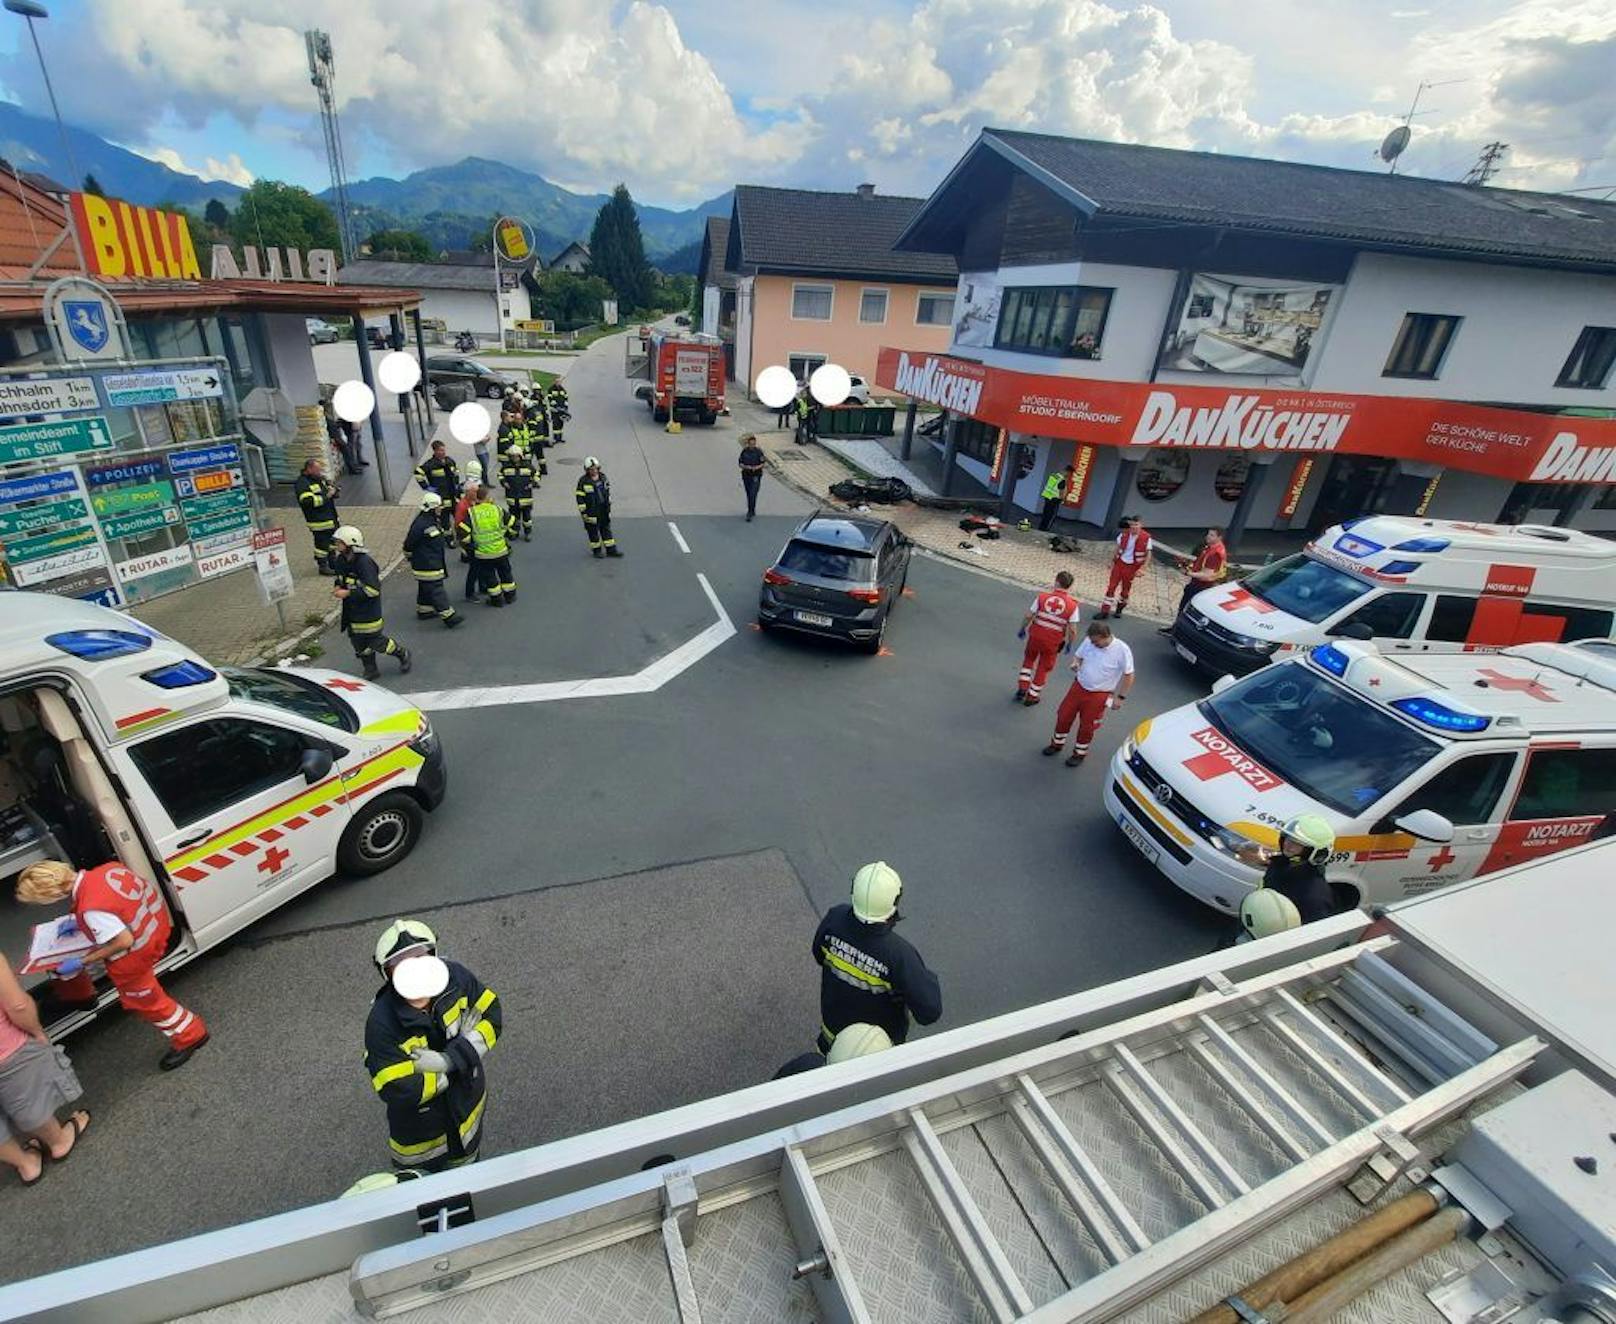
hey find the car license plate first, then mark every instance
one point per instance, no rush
(812, 618)
(1185, 653)
(1138, 838)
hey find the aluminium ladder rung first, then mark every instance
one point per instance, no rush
(1283, 1099)
(1327, 1051)
(1132, 1099)
(1235, 1088)
(1179, 1119)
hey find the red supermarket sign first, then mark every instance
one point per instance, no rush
(1506, 443)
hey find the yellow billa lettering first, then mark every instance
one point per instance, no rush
(131, 248)
(99, 233)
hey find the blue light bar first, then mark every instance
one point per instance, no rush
(98, 645)
(1423, 545)
(1430, 713)
(1350, 544)
(1399, 567)
(179, 675)
(1332, 659)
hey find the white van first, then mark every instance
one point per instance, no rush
(1412, 586)
(234, 788)
(1431, 769)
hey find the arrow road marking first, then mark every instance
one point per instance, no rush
(645, 681)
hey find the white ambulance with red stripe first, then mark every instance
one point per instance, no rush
(1411, 586)
(1432, 769)
(233, 788)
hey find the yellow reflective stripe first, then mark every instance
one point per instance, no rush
(412, 1151)
(486, 1029)
(387, 1075)
(470, 1124)
(330, 789)
(1147, 802)
(486, 1000)
(412, 1043)
(455, 1010)
(864, 977)
(408, 721)
(432, 1083)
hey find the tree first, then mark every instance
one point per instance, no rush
(674, 294)
(216, 214)
(276, 215)
(400, 246)
(617, 252)
(93, 185)
(569, 300)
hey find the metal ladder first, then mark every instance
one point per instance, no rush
(1065, 1183)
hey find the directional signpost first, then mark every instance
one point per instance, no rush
(39, 441)
(161, 386)
(21, 396)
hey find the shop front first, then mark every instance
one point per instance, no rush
(1188, 456)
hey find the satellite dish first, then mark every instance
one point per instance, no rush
(268, 413)
(1395, 142)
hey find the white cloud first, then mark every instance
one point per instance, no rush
(232, 169)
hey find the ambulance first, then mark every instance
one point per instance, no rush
(234, 788)
(1432, 769)
(1411, 586)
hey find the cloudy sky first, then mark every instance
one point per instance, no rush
(683, 98)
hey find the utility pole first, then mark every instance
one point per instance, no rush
(1488, 164)
(322, 73)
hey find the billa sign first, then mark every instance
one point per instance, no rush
(121, 242)
(1505, 443)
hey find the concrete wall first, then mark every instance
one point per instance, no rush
(470, 310)
(745, 295)
(287, 337)
(856, 345)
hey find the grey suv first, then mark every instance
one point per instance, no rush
(839, 574)
(483, 380)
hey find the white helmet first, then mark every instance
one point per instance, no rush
(1266, 912)
(402, 939)
(591, 462)
(858, 1040)
(876, 889)
(349, 536)
(430, 501)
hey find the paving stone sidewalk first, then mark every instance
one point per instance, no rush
(1022, 558)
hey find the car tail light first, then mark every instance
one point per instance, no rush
(773, 576)
(870, 595)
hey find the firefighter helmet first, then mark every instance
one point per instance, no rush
(590, 462)
(420, 977)
(876, 889)
(1314, 832)
(1266, 911)
(431, 501)
(404, 937)
(349, 536)
(858, 1040)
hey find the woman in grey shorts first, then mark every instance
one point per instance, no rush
(35, 1081)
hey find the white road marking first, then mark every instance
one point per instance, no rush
(678, 537)
(645, 681)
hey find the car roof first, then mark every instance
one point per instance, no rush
(845, 531)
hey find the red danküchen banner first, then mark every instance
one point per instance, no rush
(1506, 443)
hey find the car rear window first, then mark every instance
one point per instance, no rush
(808, 558)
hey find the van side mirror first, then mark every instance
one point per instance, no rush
(1359, 630)
(317, 764)
(1223, 682)
(1426, 824)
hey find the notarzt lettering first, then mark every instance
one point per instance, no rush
(1222, 757)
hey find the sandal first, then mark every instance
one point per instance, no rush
(79, 1128)
(40, 1175)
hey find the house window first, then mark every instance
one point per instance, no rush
(1067, 321)
(1591, 359)
(812, 303)
(802, 365)
(1421, 343)
(935, 309)
(873, 306)
(977, 439)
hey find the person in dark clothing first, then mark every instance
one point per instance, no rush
(751, 472)
(345, 437)
(594, 497)
(427, 545)
(317, 499)
(857, 1040)
(438, 473)
(868, 974)
(359, 588)
(1296, 869)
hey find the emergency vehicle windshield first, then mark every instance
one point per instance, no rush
(1326, 742)
(293, 694)
(1305, 588)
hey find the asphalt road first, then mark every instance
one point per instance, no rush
(639, 875)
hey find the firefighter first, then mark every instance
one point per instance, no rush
(359, 587)
(317, 498)
(857, 1040)
(1049, 628)
(868, 973)
(560, 411)
(487, 530)
(594, 497)
(426, 545)
(431, 1024)
(1056, 486)
(1265, 912)
(438, 473)
(516, 477)
(1104, 668)
(125, 916)
(1131, 556)
(1295, 869)
(538, 427)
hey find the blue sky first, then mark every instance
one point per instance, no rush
(684, 98)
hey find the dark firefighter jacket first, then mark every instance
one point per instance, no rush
(425, 544)
(439, 475)
(1304, 883)
(317, 499)
(432, 1115)
(362, 608)
(868, 973)
(594, 496)
(516, 468)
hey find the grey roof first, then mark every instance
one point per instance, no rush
(576, 243)
(466, 257)
(712, 269)
(830, 234)
(418, 275)
(1372, 208)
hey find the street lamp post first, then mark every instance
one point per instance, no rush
(30, 10)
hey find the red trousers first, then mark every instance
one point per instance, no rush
(1043, 647)
(1087, 709)
(1120, 584)
(140, 995)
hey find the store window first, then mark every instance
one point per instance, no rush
(873, 306)
(1066, 321)
(976, 439)
(1162, 472)
(802, 365)
(935, 309)
(1230, 480)
(1422, 343)
(812, 303)
(1591, 360)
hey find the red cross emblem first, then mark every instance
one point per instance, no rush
(342, 683)
(1374, 682)
(1536, 688)
(273, 859)
(1442, 859)
(1244, 597)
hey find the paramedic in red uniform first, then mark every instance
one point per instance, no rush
(1133, 551)
(128, 920)
(1210, 566)
(1104, 669)
(1049, 628)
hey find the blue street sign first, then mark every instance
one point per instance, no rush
(134, 471)
(40, 485)
(206, 457)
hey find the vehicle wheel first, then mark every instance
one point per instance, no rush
(873, 646)
(382, 833)
(496, 392)
(708, 418)
(660, 415)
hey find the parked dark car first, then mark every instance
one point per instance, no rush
(483, 380)
(838, 575)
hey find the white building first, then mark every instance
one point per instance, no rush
(460, 296)
(574, 258)
(1371, 343)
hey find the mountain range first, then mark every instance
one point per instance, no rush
(451, 205)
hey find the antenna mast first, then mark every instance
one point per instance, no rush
(322, 73)
(1488, 164)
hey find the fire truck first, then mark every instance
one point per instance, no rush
(682, 374)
